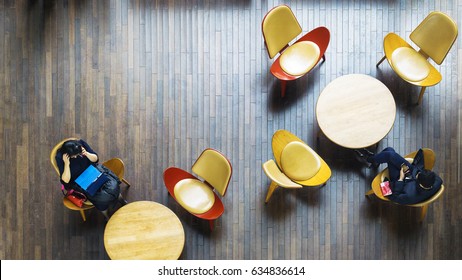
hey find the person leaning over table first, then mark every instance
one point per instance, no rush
(409, 183)
(72, 159)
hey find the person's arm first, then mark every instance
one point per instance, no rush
(66, 176)
(402, 198)
(88, 152)
(399, 185)
(90, 156)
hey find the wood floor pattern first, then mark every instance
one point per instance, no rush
(156, 82)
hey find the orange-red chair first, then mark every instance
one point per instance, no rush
(196, 196)
(280, 27)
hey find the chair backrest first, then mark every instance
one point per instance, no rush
(429, 157)
(279, 27)
(55, 150)
(215, 169)
(435, 35)
(117, 166)
(429, 161)
(431, 199)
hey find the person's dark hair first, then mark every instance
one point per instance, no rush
(71, 147)
(426, 179)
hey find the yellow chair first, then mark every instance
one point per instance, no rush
(116, 165)
(67, 203)
(429, 162)
(280, 27)
(295, 165)
(435, 36)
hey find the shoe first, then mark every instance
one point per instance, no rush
(368, 156)
(105, 214)
(123, 201)
(361, 158)
(367, 152)
(374, 165)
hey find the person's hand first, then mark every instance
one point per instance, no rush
(401, 173)
(84, 152)
(66, 159)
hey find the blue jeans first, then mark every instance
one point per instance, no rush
(393, 161)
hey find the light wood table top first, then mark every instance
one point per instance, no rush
(355, 111)
(144, 230)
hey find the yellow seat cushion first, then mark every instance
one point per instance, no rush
(409, 64)
(194, 195)
(299, 58)
(299, 162)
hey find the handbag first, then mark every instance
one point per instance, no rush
(77, 198)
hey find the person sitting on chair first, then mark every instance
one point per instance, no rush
(73, 158)
(409, 183)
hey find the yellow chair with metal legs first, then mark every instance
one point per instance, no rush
(117, 166)
(429, 162)
(67, 203)
(296, 165)
(435, 36)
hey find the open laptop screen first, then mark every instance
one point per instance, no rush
(91, 179)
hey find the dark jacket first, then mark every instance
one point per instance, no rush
(108, 193)
(408, 191)
(78, 164)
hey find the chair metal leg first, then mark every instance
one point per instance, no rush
(127, 183)
(369, 193)
(271, 189)
(211, 224)
(283, 88)
(318, 134)
(423, 212)
(421, 95)
(82, 213)
(378, 63)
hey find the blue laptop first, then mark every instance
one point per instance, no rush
(91, 180)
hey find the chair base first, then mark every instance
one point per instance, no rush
(271, 190)
(82, 213)
(126, 183)
(421, 95)
(423, 209)
(69, 205)
(381, 60)
(283, 88)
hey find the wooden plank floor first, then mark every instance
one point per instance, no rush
(156, 82)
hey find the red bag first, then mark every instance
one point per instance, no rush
(77, 198)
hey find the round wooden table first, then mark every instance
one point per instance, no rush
(355, 111)
(144, 230)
